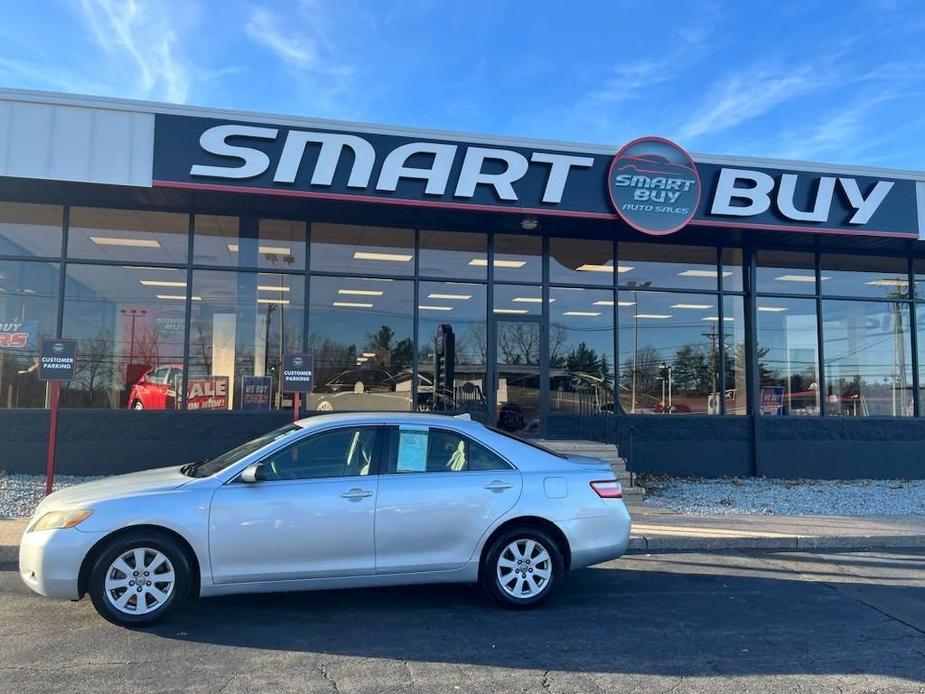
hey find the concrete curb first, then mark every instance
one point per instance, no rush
(655, 543)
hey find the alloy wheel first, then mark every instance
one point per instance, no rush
(139, 581)
(524, 568)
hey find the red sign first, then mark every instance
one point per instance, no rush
(207, 393)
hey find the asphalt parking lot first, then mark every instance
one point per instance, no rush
(730, 622)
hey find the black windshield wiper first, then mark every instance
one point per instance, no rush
(190, 468)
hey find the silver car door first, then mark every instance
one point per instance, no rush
(432, 506)
(311, 517)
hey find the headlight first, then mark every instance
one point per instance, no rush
(62, 519)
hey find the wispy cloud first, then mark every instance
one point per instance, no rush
(145, 34)
(266, 28)
(747, 94)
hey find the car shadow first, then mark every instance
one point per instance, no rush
(702, 620)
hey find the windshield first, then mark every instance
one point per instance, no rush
(207, 468)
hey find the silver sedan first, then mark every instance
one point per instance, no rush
(333, 501)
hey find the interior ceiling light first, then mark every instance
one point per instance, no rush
(529, 223)
(454, 297)
(529, 300)
(131, 243)
(887, 282)
(626, 303)
(177, 297)
(271, 288)
(771, 309)
(434, 308)
(266, 250)
(350, 304)
(701, 273)
(510, 310)
(582, 313)
(273, 301)
(389, 257)
(604, 302)
(693, 306)
(161, 283)
(654, 316)
(369, 354)
(483, 262)
(798, 278)
(716, 318)
(361, 292)
(590, 267)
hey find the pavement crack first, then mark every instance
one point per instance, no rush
(328, 678)
(546, 684)
(227, 682)
(675, 686)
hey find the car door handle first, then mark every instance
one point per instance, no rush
(356, 493)
(498, 486)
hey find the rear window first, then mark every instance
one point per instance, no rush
(528, 442)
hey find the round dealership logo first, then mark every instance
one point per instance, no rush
(654, 186)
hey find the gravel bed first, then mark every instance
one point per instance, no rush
(20, 494)
(761, 496)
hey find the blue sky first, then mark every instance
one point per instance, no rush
(833, 81)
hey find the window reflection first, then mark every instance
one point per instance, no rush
(453, 254)
(452, 330)
(136, 236)
(786, 272)
(360, 330)
(669, 352)
(736, 366)
(28, 312)
(868, 358)
(788, 358)
(644, 265)
(129, 321)
(518, 258)
(265, 243)
(581, 261)
(27, 229)
(242, 324)
(854, 275)
(581, 340)
(518, 300)
(362, 249)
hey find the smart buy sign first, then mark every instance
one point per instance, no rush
(650, 184)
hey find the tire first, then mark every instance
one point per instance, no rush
(137, 405)
(500, 576)
(162, 557)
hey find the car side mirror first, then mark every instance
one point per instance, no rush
(252, 473)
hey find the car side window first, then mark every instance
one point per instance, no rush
(158, 376)
(336, 453)
(438, 450)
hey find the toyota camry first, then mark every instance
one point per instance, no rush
(332, 501)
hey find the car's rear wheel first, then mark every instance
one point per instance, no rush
(137, 405)
(140, 579)
(521, 568)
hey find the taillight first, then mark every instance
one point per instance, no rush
(608, 489)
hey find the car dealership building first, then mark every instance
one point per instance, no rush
(711, 315)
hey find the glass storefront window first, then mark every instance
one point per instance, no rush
(732, 269)
(868, 358)
(667, 266)
(518, 300)
(361, 330)
(129, 321)
(272, 244)
(736, 365)
(581, 341)
(362, 249)
(31, 230)
(786, 272)
(581, 261)
(453, 254)
(241, 325)
(452, 351)
(518, 258)
(28, 312)
(135, 236)
(669, 352)
(858, 275)
(788, 356)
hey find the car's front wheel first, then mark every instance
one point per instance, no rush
(521, 568)
(140, 579)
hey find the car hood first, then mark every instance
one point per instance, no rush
(145, 482)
